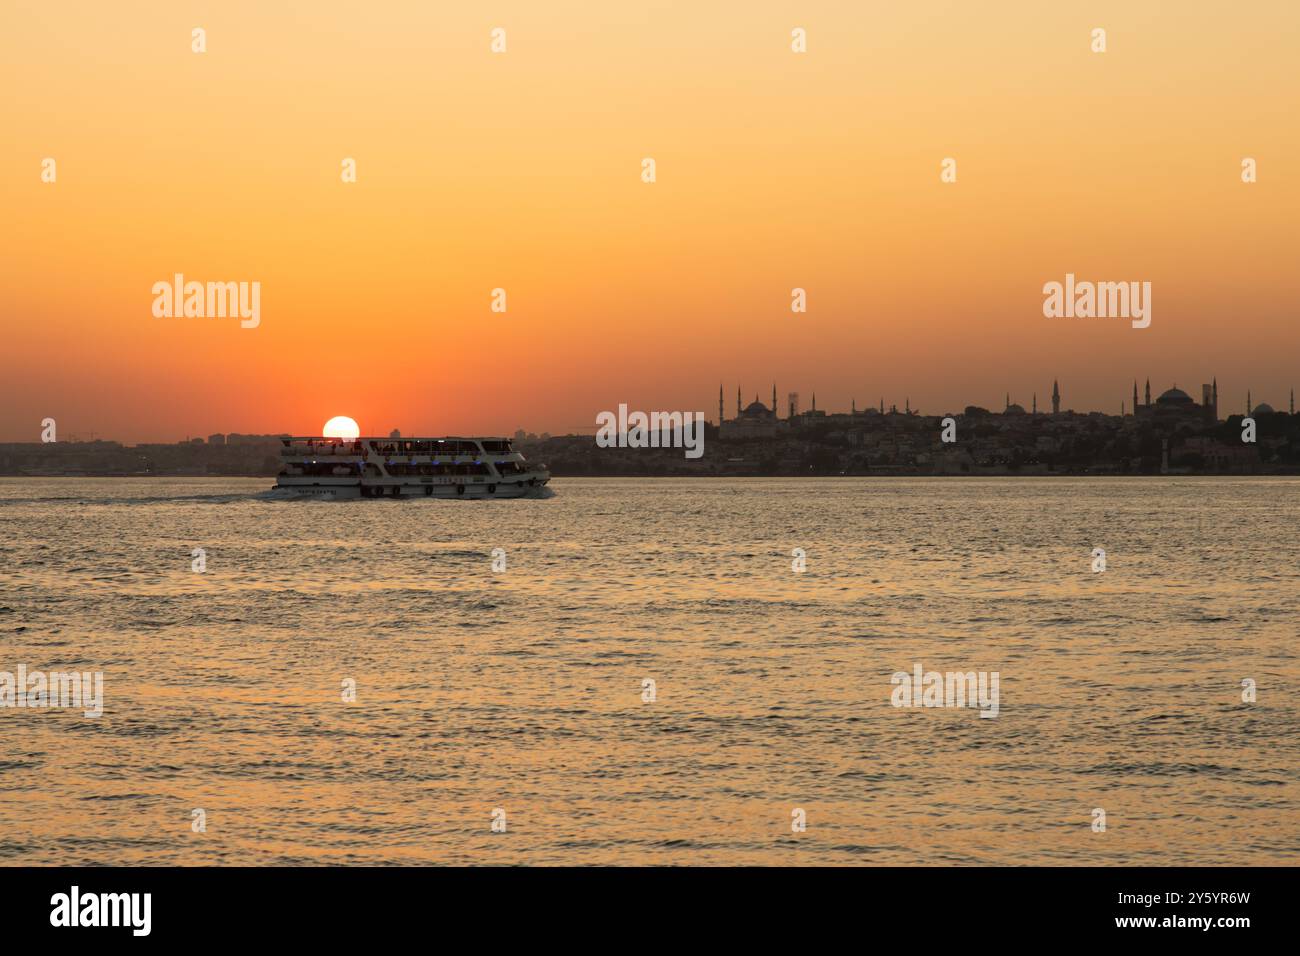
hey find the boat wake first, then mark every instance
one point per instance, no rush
(219, 499)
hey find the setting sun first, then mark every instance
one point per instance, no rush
(340, 426)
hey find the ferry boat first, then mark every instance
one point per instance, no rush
(406, 468)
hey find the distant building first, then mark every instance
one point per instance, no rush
(1174, 404)
(217, 439)
(755, 420)
(236, 439)
(813, 416)
(395, 433)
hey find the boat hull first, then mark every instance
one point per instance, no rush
(345, 488)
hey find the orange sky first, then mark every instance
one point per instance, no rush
(522, 171)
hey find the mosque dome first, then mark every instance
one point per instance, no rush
(756, 408)
(1263, 408)
(1014, 409)
(1175, 396)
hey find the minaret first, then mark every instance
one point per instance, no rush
(814, 408)
(1247, 403)
(1148, 391)
(737, 401)
(1214, 398)
(1035, 403)
(719, 404)
(774, 399)
(882, 404)
(1056, 398)
(1008, 405)
(1135, 397)
(853, 405)
(907, 406)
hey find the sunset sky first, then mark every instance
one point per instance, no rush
(522, 171)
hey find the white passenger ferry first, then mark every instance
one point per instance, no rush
(406, 468)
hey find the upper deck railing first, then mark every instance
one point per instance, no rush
(400, 447)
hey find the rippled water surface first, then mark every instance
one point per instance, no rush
(523, 689)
